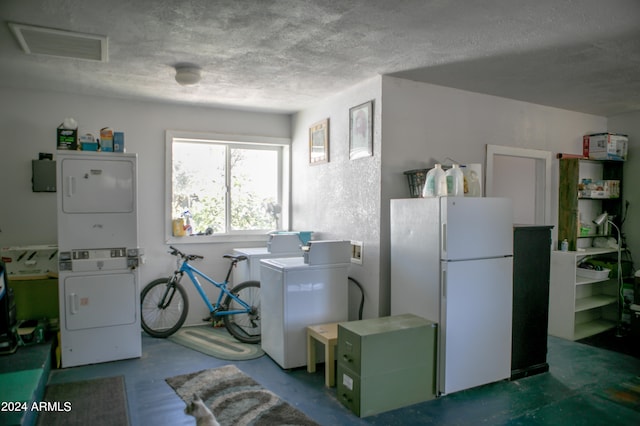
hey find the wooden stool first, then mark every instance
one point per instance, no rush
(326, 334)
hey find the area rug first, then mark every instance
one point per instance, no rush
(236, 399)
(98, 402)
(626, 393)
(216, 342)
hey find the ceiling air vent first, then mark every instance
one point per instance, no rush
(64, 44)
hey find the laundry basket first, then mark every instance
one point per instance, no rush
(416, 180)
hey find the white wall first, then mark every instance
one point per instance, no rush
(515, 177)
(416, 124)
(423, 124)
(341, 199)
(629, 124)
(28, 121)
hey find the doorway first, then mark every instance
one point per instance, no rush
(524, 175)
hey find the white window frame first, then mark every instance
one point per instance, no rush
(232, 140)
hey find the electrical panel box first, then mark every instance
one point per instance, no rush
(44, 175)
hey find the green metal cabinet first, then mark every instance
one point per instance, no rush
(386, 363)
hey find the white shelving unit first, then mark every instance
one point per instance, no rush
(579, 307)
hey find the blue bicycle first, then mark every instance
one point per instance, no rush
(164, 302)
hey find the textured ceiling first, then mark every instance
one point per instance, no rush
(580, 55)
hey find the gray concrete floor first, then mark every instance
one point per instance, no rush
(569, 394)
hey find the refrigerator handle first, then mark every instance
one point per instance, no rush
(70, 186)
(443, 238)
(444, 283)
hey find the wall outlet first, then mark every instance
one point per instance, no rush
(356, 252)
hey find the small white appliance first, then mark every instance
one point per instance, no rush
(279, 245)
(250, 270)
(284, 242)
(98, 257)
(451, 263)
(296, 294)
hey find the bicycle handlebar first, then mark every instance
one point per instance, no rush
(175, 252)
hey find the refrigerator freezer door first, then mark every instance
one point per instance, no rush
(476, 228)
(475, 339)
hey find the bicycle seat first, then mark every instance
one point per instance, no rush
(235, 258)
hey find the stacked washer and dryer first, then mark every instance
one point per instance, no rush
(98, 257)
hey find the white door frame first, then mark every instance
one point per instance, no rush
(543, 177)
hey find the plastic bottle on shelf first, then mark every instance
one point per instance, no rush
(435, 183)
(564, 246)
(455, 181)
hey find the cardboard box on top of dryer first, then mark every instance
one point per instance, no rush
(106, 139)
(605, 146)
(30, 262)
(67, 139)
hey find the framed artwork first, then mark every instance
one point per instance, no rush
(319, 142)
(361, 131)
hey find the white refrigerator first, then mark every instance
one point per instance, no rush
(98, 257)
(451, 263)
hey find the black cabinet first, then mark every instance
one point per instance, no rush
(531, 264)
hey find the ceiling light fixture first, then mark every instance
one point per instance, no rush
(187, 75)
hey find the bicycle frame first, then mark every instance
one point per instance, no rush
(192, 271)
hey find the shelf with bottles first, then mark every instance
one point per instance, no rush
(585, 192)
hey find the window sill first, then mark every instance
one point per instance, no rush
(217, 239)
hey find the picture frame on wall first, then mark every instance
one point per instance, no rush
(319, 142)
(361, 131)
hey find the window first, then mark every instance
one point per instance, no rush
(224, 187)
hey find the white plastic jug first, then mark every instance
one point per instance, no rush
(455, 181)
(435, 183)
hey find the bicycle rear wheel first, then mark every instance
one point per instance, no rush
(244, 326)
(163, 307)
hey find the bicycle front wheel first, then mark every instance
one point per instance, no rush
(163, 307)
(244, 326)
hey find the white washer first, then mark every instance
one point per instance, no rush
(295, 295)
(250, 270)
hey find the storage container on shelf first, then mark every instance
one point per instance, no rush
(416, 181)
(593, 274)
